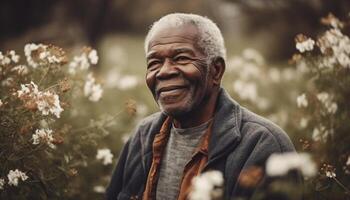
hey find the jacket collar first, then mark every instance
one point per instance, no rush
(225, 130)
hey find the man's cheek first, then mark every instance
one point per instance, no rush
(193, 72)
(150, 81)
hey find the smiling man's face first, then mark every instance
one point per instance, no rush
(177, 72)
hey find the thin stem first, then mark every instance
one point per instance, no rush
(23, 111)
(92, 126)
(52, 86)
(341, 185)
(42, 78)
(26, 154)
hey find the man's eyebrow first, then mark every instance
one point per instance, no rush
(150, 55)
(184, 50)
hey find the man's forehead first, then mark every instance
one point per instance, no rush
(176, 48)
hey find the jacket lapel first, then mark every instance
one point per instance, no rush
(146, 141)
(225, 133)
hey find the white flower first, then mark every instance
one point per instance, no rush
(46, 55)
(79, 62)
(204, 186)
(127, 82)
(303, 122)
(330, 174)
(15, 176)
(43, 135)
(8, 82)
(332, 108)
(83, 61)
(316, 134)
(105, 155)
(5, 61)
(323, 97)
(247, 66)
(2, 183)
(28, 49)
(141, 109)
(302, 101)
(326, 100)
(253, 55)
(288, 74)
(46, 102)
(30, 89)
(234, 63)
(43, 55)
(1, 103)
(92, 90)
(281, 164)
(99, 189)
(274, 74)
(320, 133)
(302, 67)
(49, 102)
(344, 45)
(306, 45)
(20, 69)
(246, 90)
(335, 22)
(116, 55)
(114, 79)
(339, 45)
(343, 60)
(14, 56)
(328, 62)
(249, 71)
(262, 103)
(93, 57)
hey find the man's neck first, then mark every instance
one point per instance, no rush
(198, 116)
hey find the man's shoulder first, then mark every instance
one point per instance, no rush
(250, 118)
(254, 125)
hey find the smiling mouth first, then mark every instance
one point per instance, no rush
(170, 90)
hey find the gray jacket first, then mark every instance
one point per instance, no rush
(240, 139)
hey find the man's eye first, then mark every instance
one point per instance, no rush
(182, 59)
(153, 64)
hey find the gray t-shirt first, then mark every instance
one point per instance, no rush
(178, 152)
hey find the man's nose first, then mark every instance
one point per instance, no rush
(168, 70)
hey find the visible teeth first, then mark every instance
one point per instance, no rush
(172, 91)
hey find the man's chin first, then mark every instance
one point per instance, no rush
(175, 111)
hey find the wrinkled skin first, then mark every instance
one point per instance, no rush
(182, 83)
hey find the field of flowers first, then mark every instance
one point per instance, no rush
(64, 116)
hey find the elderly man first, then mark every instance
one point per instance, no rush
(200, 127)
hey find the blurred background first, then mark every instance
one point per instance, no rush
(259, 36)
(267, 25)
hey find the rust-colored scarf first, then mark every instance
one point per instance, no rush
(192, 168)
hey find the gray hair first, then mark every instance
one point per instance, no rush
(210, 37)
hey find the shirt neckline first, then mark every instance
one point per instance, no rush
(196, 129)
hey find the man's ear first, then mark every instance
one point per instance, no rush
(217, 70)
